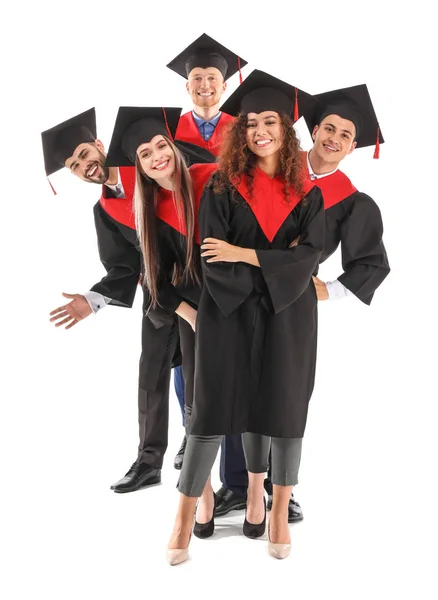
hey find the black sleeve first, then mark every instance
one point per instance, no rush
(158, 316)
(168, 297)
(229, 284)
(287, 272)
(120, 258)
(364, 258)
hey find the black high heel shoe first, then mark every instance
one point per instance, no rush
(205, 530)
(252, 530)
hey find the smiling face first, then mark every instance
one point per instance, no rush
(334, 139)
(88, 163)
(156, 158)
(205, 86)
(264, 133)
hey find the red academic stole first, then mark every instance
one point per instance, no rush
(200, 174)
(188, 131)
(166, 208)
(166, 211)
(334, 188)
(121, 209)
(268, 202)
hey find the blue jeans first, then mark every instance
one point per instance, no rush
(179, 388)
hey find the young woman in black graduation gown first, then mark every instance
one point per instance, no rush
(166, 204)
(257, 317)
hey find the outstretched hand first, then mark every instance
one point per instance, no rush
(71, 313)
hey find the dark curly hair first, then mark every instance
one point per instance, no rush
(236, 159)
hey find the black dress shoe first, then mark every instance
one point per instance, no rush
(205, 530)
(177, 463)
(252, 530)
(139, 476)
(295, 511)
(227, 501)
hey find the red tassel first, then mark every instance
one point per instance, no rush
(296, 111)
(240, 72)
(377, 148)
(167, 124)
(50, 183)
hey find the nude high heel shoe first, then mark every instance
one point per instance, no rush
(176, 556)
(278, 550)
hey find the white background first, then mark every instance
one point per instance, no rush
(68, 412)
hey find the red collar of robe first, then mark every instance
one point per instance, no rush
(268, 202)
(188, 131)
(200, 174)
(166, 209)
(335, 187)
(121, 209)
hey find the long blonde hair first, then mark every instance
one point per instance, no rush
(146, 199)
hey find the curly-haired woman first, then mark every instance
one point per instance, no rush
(262, 232)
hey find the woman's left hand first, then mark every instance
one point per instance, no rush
(221, 251)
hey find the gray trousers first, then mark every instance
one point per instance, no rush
(201, 452)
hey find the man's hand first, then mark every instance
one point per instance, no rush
(321, 289)
(71, 313)
(221, 251)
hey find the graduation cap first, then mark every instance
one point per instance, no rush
(60, 142)
(261, 91)
(206, 52)
(135, 126)
(354, 104)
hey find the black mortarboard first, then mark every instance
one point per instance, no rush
(135, 126)
(261, 91)
(352, 103)
(60, 142)
(206, 52)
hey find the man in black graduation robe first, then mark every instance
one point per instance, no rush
(346, 120)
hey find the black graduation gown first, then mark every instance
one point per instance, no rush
(172, 247)
(172, 251)
(120, 254)
(353, 220)
(256, 331)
